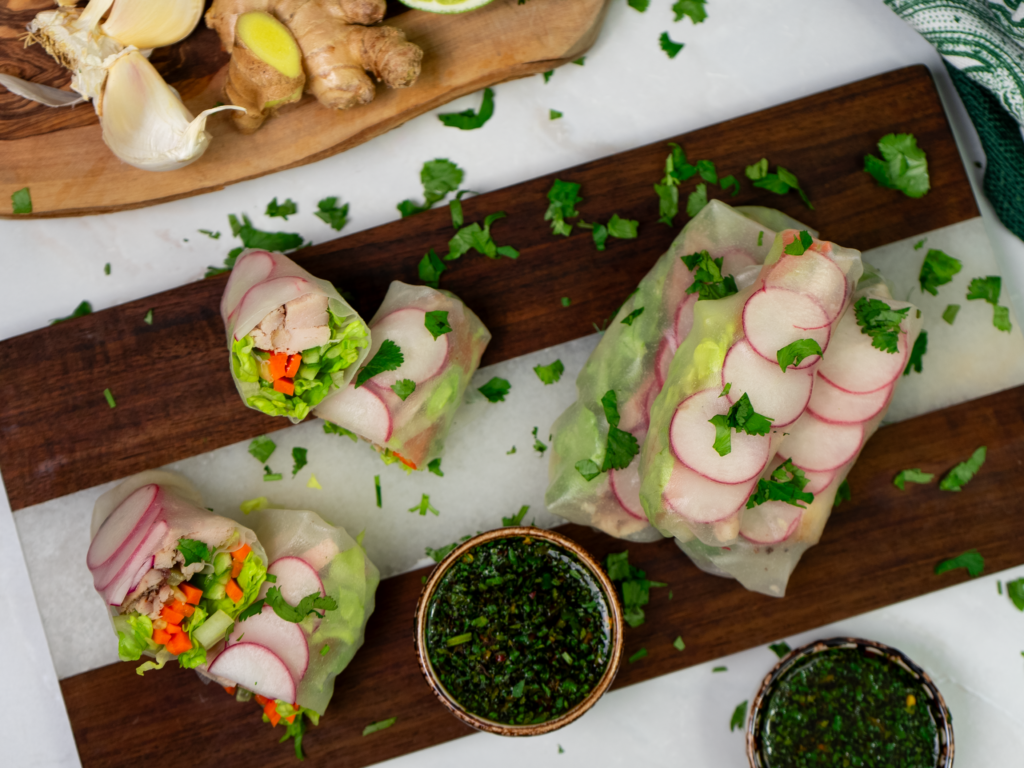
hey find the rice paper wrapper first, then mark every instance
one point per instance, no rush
(262, 282)
(633, 360)
(413, 430)
(824, 411)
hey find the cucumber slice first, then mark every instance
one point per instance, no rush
(221, 563)
(215, 591)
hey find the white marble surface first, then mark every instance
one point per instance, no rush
(747, 56)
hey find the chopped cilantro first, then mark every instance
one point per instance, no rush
(22, 201)
(742, 418)
(641, 654)
(439, 177)
(795, 353)
(677, 170)
(404, 388)
(760, 238)
(780, 182)
(549, 374)
(971, 560)
(109, 397)
(678, 643)
(800, 244)
(1001, 318)
(949, 313)
(904, 165)
(437, 555)
(708, 281)
(298, 460)
(325, 650)
(563, 197)
(707, 171)
(579, 62)
(495, 390)
(780, 649)
(842, 494)
(917, 353)
(621, 446)
(758, 170)
(510, 452)
(566, 301)
(334, 429)
(628, 319)
(389, 357)
(376, 486)
(434, 467)
(622, 229)
(987, 288)
(912, 476)
(282, 210)
(329, 212)
(962, 473)
(548, 74)
(879, 321)
(1015, 591)
(920, 244)
(430, 268)
(937, 269)
(692, 8)
(311, 603)
(538, 446)
(477, 238)
(739, 717)
(194, 551)
(106, 268)
(640, 5)
(260, 502)
(468, 120)
(424, 506)
(782, 488)
(254, 238)
(726, 388)
(588, 468)
(731, 182)
(517, 518)
(720, 669)
(262, 448)
(560, 750)
(633, 585)
(254, 608)
(269, 476)
(210, 234)
(437, 323)
(697, 200)
(379, 726)
(670, 46)
(554, 114)
(599, 233)
(85, 308)
(148, 317)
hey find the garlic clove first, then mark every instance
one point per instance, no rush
(76, 45)
(152, 23)
(37, 92)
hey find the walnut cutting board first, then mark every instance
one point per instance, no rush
(58, 153)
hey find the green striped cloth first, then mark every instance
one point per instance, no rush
(982, 42)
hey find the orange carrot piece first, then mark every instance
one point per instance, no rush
(270, 710)
(292, 366)
(230, 689)
(241, 553)
(285, 386)
(171, 616)
(236, 568)
(261, 700)
(173, 629)
(179, 644)
(192, 594)
(234, 591)
(161, 636)
(290, 719)
(183, 608)
(404, 460)
(278, 364)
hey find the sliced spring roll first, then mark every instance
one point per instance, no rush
(283, 654)
(406, 412)
(293, 339)
(173, 575)
(633, 358)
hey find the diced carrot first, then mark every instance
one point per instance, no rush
(270, 710)
(183, 608)
(173, 629)
(290, 719)
(278, 364)
(405, 461)
(171, 616)
(192, 594)
(230, 689)
(179, 644)
(241, 553)
(234, 591)
(293, 365)
(261, 700)
(161, 636)
(236, 568)
(284, 386)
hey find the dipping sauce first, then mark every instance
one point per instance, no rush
(845, 707)
(518, 631)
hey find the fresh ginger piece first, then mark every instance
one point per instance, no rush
(265, 71)
(270, 41)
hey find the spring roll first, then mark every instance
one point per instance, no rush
(293, 339)
(173, 575)
(292, 648)
(406, 412)
(633, 358)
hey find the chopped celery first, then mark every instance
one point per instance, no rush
(221, 563)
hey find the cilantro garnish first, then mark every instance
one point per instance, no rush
(148, 317)
(379, 726)
(842, 494)
(758, 170)
(298, 460)
(904, 165)
(468, 120)
(962, 473)
(579, 62)
(622, 229)
(950, 312)
(1015, 591)
(588, 468)
(282, 210)
(538, 446)
(677, 170)
(720, 669)
(795, 353)
(554, 114)
(633, 585)
(389, 357)
(621, 446)
(697, 200)
(937, 269)
(678, 643)
(495, 390)
(334, 429)
(879, 321)
(22, 201)
(551, 373)
(550, 72)
(780, 649)
(109, 397)
(920, 244)
(566, 301)
(640, 5)
(106, 268)
(194, 551)
(692, 8)
(800, 244)
(254, 238)
(270, 476)
(311, 603)
(912, 476)
(628, 319)
(986, 288)
(782, 488)
(510, 452)
(670, 46)
(254, 608)
(210, 234)
(917, 353)
(430, 268)
(726, 388)
(329, 212)
(404, 388)
(437, 555)
(707, 171)
(739, 717)
(434, 467)
(731, 182)
(85, 308)
(1001, 319)
(376, 486)
(262, 448)
(437, 323)
(517, 518)
(424, 506)
(641, 654)
(971, 560)
(439, 177)
(780, 182)
(742, 418)
(477, 238)
(708, 281)
(563, 197)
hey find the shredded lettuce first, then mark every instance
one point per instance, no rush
(243, 362)
(134, 635)
(162, 657)
(250, 579)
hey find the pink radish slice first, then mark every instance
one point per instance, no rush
(818, 481)
(693, 437)
(774, 318)
(145, 568)
(684, 318)
(734, 260)
(273, 293)
(359, 410)
(284, 638)
(125, 523)
(295, 578)
(635, 412)
(424, 355)
(131, 561)
(777, 395)
(625, 485)
(700, 500)
(858, 367)
(819, 446)
(249, 270)
(663, 360)
(814, 275)
(257, 668)
(837, 406)
(769, 523)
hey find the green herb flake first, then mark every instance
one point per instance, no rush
(22, 201)
(404, 388)
(950, 312)
(633, 586)
(376, 486)
(468, 119)
(985, 288)
(639, 5)
(903, 166)
(962, 473)
(106, 268)
(800, 244)
(1015, 591)
(912, 476)
(758, 170)
(495, 390)
(298, 460)
(109, 397)
(692, 8)
(430, 268)
(730, 182)
(560, 750)
(739, 717)
(563, 197)
(379, 726)
(148, 317)
(786, 484)
(588, 468)
(697, 200)
(916, 363)
(538, 446)
(641, 654)
(254, 238)
(879, 321)
(262, 448)
(325, 650)
(424, 506)
(437, 323)
(579, 62)
(971, 560)
(334, 429)
(678, 643)
(510, 452)
(670, 46)
(83, 309)
(282, 210)
(389, 357)
(331, 214)
(547, 75)
(210, 234)
(780, 649)
(517, 518)
(708, 281)
(1001, 318)
(551, 373)
(628, 319)
(260, 502)
(621, 446)
(194, 551)
(311, 603)
(439, 178)
(726, 388)
(937, 269)
(554, 114)
(434, 467)
(920, 244)
(623, 229)
(720, 669)
(566, 301)
(270, 476)
(741, 417)
(793, 354)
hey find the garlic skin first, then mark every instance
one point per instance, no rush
(144, 121)
(152, 23)
(71, 37)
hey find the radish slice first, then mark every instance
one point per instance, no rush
(122, 530)
(700, 500)
(818, 481)
(281, 290)
(693, 436)
(774, 318)
(360, 410)
(811, 274)
(837, 406)
(424, 355)
(770, 523)
(115, 580)
(283, 638)
(257, 668)
(684, 318)
(858, 367)
(819, 446)
(635, 412)
(663, 360)
(625, 485)
(250, 268)
(777, 395)
(734, 260)
(295, 578)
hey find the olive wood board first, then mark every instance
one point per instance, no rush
(59, 154)
(878, 549)
(51, 444)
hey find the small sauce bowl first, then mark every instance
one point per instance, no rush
(615, 633)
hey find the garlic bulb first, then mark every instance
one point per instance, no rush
(144, 120)
(71, 36)
(152, 23)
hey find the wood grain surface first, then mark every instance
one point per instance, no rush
(60, 156)
(878, 549)
(49, 445)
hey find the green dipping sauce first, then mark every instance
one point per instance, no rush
(518, 631)
(846, 708)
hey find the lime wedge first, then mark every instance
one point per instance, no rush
(446, 6)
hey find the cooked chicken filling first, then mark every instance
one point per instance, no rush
(300, 324)
(154, 590)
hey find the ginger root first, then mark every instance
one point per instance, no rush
(340, 49)
(265, 70)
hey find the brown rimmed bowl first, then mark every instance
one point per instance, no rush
(936, 704)
(492, 726)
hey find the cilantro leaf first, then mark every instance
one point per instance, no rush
(628, 319)
(987, 288)
(588, 469)
(262, 448)
(563, 197)
(298, 460)
(389, 357)
(404, 388)
(730, 182)
(917, 353)
(904, 165)
(912, 476)
(566, 301)
(554, 114)
(937, 269)
(758, 170)
(641, 654)
(622, 229)
(879, 321)
(109, 397)
(329, 212)
(640, 5)
(950, 312)
(435, 467)
(379, 726)
(621, 446)
(599, 233)
(1001, 318)
(633, 586)
(22, 201)
(468, 120)
(311, 603)
(475, 237)
(282, 210)
(697, 200)
(148, 317)
(708, 281)
(424, 506)
(439, 554)
(692, 8)
(789, 178)
(334, 429)
(842, 494)
(210, 234)
(549, 374)
(780, 182)
(83, 309)
(780, 649)
(439, 177)
(430, 268)
(270, 477)
(742, 418)
(780, 488)
(437, 323)
(106, 268)
(538, 446)
(1015, 591)
(962, 473)
(252, 610)
(550, 72)
(579, 62)
(707, 171)
(678, 643)
(726, 388)
(800, 244)
(739, 717)
(795, 353)
(376, 487)
(971, 560)
(495, 390)
(517, 518)
(669, 46)
(920, 244)
(194, 551)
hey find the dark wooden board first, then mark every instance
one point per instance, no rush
(878, 549)
(49, 444)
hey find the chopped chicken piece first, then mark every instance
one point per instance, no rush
(262, 334)
(300, 324)
(309, 311)
(296, 340)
